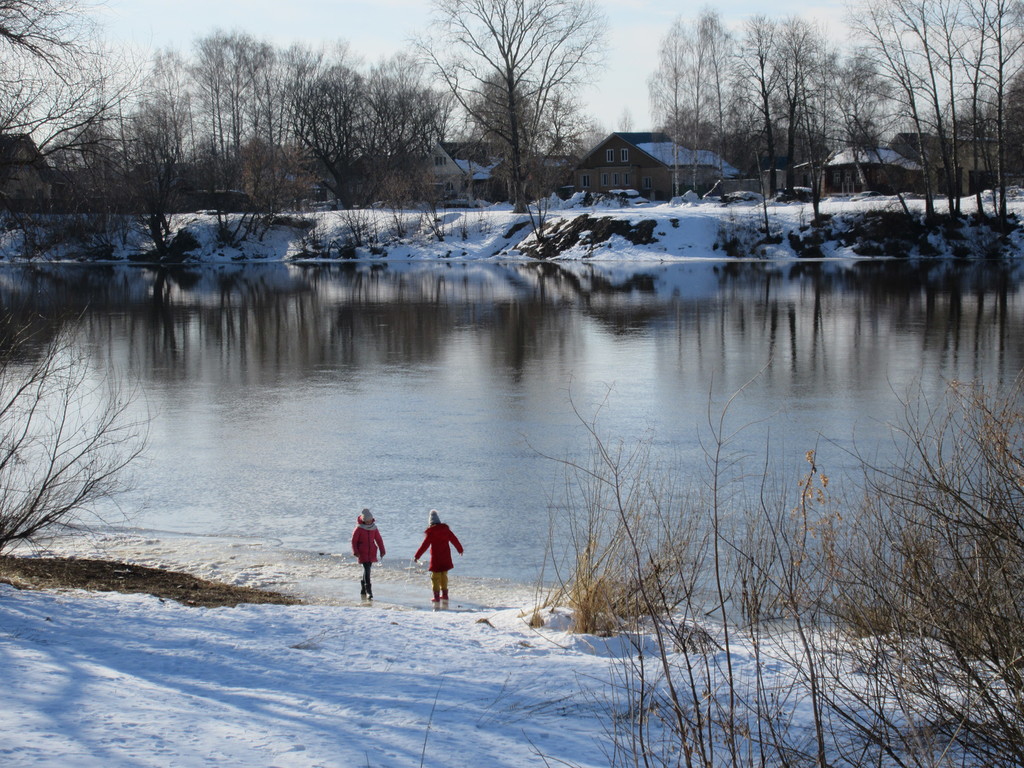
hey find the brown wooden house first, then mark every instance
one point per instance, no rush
(884, 170)
(650, 163)
(26, 180)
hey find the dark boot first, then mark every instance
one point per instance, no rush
(444, 595)
(437, 597)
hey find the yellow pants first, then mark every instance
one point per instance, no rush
(439, 581)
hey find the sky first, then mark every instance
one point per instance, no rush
(379, 28)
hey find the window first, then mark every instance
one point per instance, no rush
(604, 179)
(625, 179)
(585, 181)
(440, 160)
(647, 182)
(624, 155)
(615, 179)
(609, 155)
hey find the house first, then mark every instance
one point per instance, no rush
(852, 170)
(26, 180)
(651, 163)
(462, 171)
(976, 162)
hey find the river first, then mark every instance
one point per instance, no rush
(284, 398)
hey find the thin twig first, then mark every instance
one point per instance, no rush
(430, 720)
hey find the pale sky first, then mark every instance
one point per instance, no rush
(383, 27)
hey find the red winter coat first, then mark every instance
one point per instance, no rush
(365, 543)
(438, 537)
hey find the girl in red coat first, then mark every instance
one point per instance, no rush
(366, 540)
(438, 538)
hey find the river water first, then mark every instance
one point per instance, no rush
(284, 398)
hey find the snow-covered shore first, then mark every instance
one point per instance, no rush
(128, 680)
(105, 679)
(679, 230)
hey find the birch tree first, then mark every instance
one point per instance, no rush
(882, 26)
(687, 90)
(667, 89)
(997, 26)
(798, 46)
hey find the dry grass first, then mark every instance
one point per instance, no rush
(112, 576)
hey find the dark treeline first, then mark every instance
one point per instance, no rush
(239, 125)
(235, 124)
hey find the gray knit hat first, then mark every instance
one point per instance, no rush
(435, 518)
(367, 516)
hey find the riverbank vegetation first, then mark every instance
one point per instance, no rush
(67, 436)
(895, 604)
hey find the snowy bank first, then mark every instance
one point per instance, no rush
(110, 680)
(118, 680)
(569, 230)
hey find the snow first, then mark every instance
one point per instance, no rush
(111, 680)
(669, 154)
(687, 228)
(476, 171)
(107, 680)
(880, 155)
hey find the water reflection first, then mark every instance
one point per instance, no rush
(284, 393)
(271, 321)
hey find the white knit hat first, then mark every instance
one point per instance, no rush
(366, 515)
(435, 518)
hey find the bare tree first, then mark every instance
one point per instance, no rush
(66, 437)
(714, 38)
(57, 83)
(819, 111)
(328, 113)
(882, 27)
(687, 90)
(757, 83)
(996, 28)
(511, 66)
(865, 113)
(405, 119)
(667, 88)
(248, 141)
(158, 140)
(798, 44)
(42, 29)
(931, 577)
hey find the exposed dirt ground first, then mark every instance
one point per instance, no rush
(112, 576)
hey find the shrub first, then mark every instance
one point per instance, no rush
(65, 440)
(935, 580)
